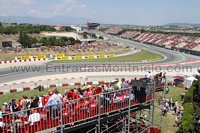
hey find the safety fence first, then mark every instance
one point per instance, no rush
(70, 113)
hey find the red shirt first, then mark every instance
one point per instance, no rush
(69, 94)
(75, 96)
(19, 105)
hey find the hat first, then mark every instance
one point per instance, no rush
(5, 103)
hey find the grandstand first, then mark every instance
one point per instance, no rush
(91, 109)
(180, 45)
(129, 34)
(114, 31)
(197, 48)
(169, 40)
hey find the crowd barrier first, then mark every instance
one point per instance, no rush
(63, 57)
(70, 113)
(26, 60)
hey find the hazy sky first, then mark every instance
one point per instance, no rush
(141, 12)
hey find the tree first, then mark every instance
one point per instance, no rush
(142, 30)
(85, 36)
(68, 28)
(187, 121)
(100, 37)
(77, 41)
(94, 36)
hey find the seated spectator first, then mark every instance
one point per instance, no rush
(34, 117)
(2, 125)
(18, 122)
(117, 99)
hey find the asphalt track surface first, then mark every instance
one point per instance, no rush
(172, 58)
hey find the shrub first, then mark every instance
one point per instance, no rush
(189, 95)
(187, 122)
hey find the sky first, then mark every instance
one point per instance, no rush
(136, 12)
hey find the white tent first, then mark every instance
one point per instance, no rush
(188, 81)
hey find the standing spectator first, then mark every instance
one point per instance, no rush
(54, 102)
(167, 90)
(124, 85)
(175, 109)
(164, 110)
(24, 103)
(34, 103)
(14, 106)
(148, 75)
(118, 83)
(1, 114)
(114, 85)
(171, 103)
(4, 108)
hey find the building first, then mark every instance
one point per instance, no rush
(58, 28)
(92, 26)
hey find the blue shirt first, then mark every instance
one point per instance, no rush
(123, 85)
(1, 115)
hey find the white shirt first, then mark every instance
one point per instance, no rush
(176, 104)
(148, 75)
(34, 118)
(60, 95)
(40, 102)
(1, 124)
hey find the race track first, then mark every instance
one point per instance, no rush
(172, 59)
